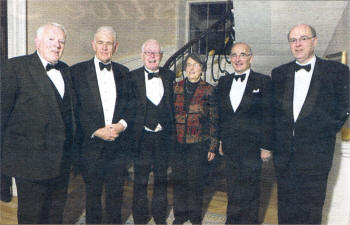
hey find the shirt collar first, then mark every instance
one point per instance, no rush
(247, 72)
(96, 61)
(43, 61)
(312, 61)
(149, 71)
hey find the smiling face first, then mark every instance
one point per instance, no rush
(302, 43)
(104, 46)
(151, 55)
(193, 70)
(240, 58)
(50, 43)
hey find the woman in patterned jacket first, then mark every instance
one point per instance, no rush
(196, 118)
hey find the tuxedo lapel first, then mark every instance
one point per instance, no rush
(141, 86)
(312, 92)
(117, 80)
(93, 86)
(226, 93)
(39, 75)
(289, 91)
(245, 102)
(165, 86)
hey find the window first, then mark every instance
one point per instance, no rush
(204, 15)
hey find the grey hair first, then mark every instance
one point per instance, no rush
(312, 29)
(41, 29)
(107, 29)
(151, 40)
(198, 58)
(242, 43)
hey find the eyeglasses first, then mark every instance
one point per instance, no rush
(242, 55)
(104, 43)
(195, 65)
(152, 53)
(302, 39)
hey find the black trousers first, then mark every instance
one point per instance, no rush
(110, 174)
(190, 169)
(152, 156)
(41, 202)
(301, 196)
(243, 190)
(6, 188)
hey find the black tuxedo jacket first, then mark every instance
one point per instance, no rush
(248, 129)
(33, 130)
(309, 141)
(89, 111)
(140, 99)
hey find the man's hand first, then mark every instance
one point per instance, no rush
(265, 155)
(117, 128)
(107, 133)
(211, 156)
(220, 149)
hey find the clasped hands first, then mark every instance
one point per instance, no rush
(109, 132)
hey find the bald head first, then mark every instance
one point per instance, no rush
(302, 42)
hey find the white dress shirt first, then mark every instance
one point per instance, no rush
(55, 76)
(154, 92)
(302, 81)
(154, 88)
(237, 90)
(108, 92)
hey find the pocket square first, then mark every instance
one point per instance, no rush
(256, 90)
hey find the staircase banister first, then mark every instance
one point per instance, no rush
(180, 52)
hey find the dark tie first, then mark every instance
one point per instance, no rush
(151, 75)
(107, 66)
(299, 67)
(242, 77)
(50, 67)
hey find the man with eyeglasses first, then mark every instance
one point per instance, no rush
(153, 131)
(311, 104)
(102, 91)
(244, 102)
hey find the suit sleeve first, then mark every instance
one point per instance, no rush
(217, 95)
(90, 126)
(267, 114)
(8, 93)
(341, 87)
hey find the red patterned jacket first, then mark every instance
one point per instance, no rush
(200, 122)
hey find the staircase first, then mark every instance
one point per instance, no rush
(216, 59)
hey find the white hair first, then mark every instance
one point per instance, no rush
(106, 29)
(150, 40)
(41, 29)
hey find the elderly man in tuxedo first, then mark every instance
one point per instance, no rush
(37, 127)
(101, 88)
(153, 131)
(311, 103)
(244, 102)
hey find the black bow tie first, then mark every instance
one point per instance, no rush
(107, 66)
(242, 77)
(151, 75)
(299, 67)
(50, 66)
